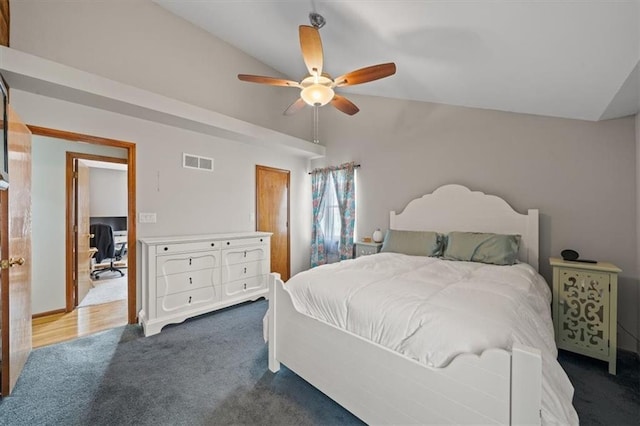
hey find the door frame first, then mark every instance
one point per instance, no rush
(131, 213)
(288, 173)
(71, 201)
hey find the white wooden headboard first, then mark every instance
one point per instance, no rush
(457, 208)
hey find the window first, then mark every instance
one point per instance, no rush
(330, 223)
(333, 214)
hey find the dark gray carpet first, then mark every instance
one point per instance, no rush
(208, 370)
(213, 370)
(599, 397)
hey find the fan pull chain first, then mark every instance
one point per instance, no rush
(316, 138)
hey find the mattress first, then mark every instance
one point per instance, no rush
(432, 310)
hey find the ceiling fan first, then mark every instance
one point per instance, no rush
(317, 88)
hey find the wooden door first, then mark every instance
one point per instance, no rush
(272, 214)
(82, 258)
(15, 245)
(4, 22)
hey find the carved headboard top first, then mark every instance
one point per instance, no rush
(456, 208)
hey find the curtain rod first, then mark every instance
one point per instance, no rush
(355, 166)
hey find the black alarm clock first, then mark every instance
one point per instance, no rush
(573, 256)
(568, 254)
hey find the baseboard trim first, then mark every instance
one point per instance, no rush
(45, 314)
(627, 352)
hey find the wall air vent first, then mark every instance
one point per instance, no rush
(190, 161)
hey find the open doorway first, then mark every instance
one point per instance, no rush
(99, 216)
(57, 262)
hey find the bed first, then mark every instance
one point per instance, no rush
(501, 384)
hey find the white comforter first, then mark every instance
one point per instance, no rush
(432, 310)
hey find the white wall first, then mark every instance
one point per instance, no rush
(185, 201)
(108, 192)
(580, 175)
(48, 217)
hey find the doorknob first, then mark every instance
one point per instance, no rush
(6, 264)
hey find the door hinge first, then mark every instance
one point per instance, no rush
(75, 228)
(75, 175)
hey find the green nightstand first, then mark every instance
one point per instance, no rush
(364, 249)
(585, 307)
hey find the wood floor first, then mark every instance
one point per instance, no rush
(81, 322)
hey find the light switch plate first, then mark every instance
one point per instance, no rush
(147, 218)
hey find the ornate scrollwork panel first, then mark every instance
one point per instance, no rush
(584, 309)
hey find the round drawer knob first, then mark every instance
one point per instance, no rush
(228, 243)
(213, 244)
(166, 248)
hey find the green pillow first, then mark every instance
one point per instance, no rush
(414, 243)
(496, 249)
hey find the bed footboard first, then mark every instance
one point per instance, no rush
(381, 386)
(274, 278)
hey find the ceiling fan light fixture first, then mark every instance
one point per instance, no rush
(317, 94)
(317, 87)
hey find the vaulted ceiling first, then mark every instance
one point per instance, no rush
(556, 58)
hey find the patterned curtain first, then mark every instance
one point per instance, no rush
(333, 214)
(319, 180)
(344, 181)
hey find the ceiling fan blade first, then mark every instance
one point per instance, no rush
(296, 106)
(271, 81)
(344, 105)
(364, 75)
(311, 46)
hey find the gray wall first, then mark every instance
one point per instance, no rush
(186, 201)
(48, 217)
(141, 44)
(108, 192)
(638, 221)
(155, 50)
(580, 175)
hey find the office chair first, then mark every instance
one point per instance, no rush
(102, 239)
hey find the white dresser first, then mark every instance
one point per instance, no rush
(187, 276)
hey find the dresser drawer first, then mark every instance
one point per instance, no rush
(250, 254)
(186, 281)
(188, 247)
(241, 242)
(240, 287)
(243, 270)
(183, 276)
(166, 265)
(187, 300)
